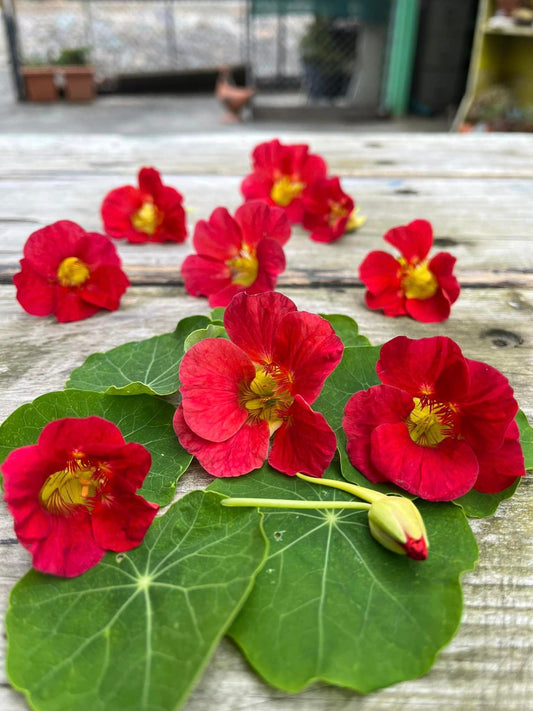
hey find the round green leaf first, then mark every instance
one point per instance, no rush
(135, 632)
(140, 418)
(217, 314)
(211, 331)
(332, 605)
(356, 371)
(346, 329)
(150, 366)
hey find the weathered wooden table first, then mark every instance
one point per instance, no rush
(478, 193)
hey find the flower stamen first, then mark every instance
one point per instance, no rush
(418, 282)
(72, 272)
(147, 219)
(284, 191)
(430, 422)
(78, 484)
(267, 397)
(244, 266)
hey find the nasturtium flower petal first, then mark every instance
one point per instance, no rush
(442, 473)
(153, 212)
(489, 407)
(439, 426)
(72, 495)
(69, 273)
(237, 393)
(433, 364)
(497, 470)
(252, 324)
(237, 254)
(366, 410)
(246, 450)
(413, 240)
(211, 373)
(304, 443)
(258, 222)
(309, 349)
(411, 284)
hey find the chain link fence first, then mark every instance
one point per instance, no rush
(135, 36)
(316, 56)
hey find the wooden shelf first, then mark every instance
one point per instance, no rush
(501, 56)
(511, 31)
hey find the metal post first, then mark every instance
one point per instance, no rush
(401, 55)
(10, 24)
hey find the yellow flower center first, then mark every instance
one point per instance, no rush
(431, 423)
(147, 219)
(268, 396)
(244, 266)
(418, 282)
(285, 190)
(72, 272)
(355, 220)
(336, 212)
(76, 485)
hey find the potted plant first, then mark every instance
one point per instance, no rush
(39, 80)
(328, 52)
(77, 73)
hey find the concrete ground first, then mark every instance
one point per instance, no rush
(166, 114)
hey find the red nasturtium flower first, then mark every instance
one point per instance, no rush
(440, 425)
(69, 273)
(237, 254)
(237, 393)
(329, 212)
(72, 494)
(153, 212)
(424, 289)
(281, 175)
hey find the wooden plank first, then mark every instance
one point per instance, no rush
(488, 659)
(225, 153)
(493, 325)
(477, 192)
(485, 236)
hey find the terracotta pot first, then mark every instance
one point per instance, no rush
(79, 83)
(39, 83)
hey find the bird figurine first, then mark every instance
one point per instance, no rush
(234, 98)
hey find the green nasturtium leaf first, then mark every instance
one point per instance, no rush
(140, 418)
(211, 331)
(478, 505)
(217, 314)
(346, 329)
(332, 605)
(150, 366)
(135, 632)
(526, 438)
(356, 371)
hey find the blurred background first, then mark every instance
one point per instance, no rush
(430, 64)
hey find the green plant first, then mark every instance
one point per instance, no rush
(77, 56)
(328, 45)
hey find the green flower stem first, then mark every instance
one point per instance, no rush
(360, 491)
(294, 504)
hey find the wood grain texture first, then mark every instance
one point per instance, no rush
(477, 192)
(227, 153)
